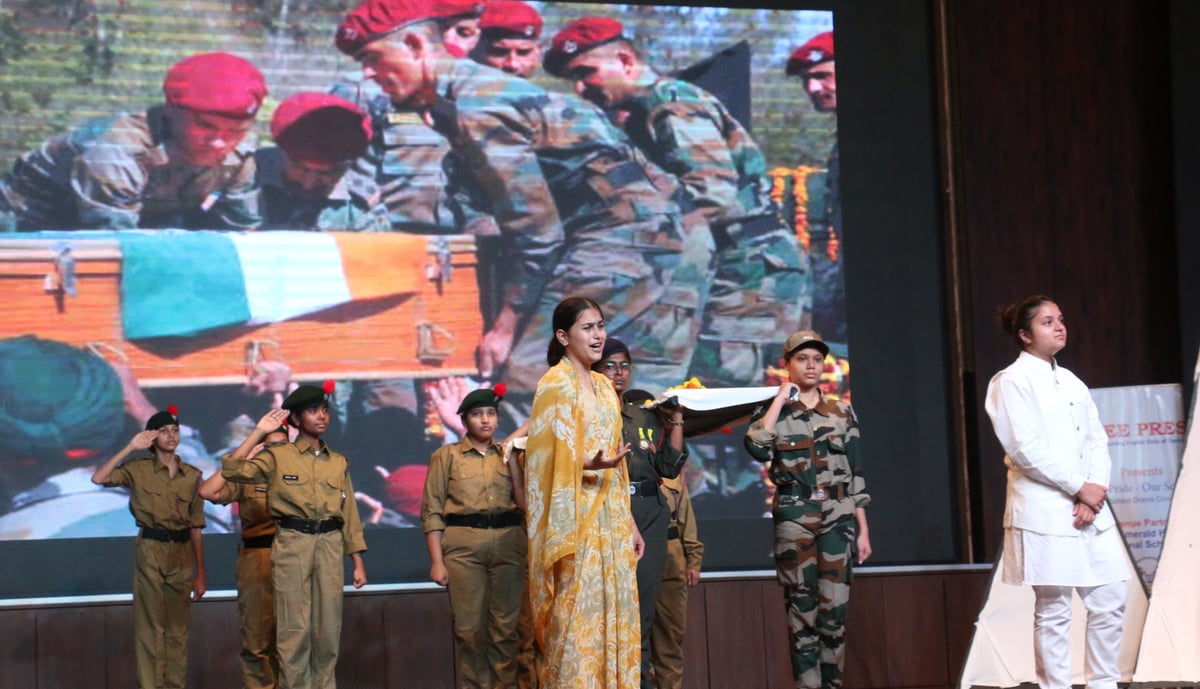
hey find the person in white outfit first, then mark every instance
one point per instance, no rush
(1059, 535)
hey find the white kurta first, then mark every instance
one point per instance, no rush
(1047, 423)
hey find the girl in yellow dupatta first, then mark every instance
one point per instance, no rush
(583, 545)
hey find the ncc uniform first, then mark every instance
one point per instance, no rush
(469, 497)
(650, 460)
(813, 460)
(311, 498)
(256, 597)
(684, 552)
(166, 509)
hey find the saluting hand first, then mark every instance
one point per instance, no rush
(143, 440)
(271, 420)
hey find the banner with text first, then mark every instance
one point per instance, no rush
(1146, 429)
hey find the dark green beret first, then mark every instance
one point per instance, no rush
(166, 417)
(304, 397)
(55, 397)
(482, 397)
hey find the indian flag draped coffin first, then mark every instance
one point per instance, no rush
(184, 307)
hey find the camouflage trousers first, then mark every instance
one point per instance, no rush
(815, 544)
(761, 292)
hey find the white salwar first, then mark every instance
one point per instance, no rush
(1046, 421)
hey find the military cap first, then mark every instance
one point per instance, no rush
(483, 397)
(320, 128)
(375, 19)
(579, 37)
(503, 18)
(217, 83)
(308, 396)
(804, 338)
(56, 399)
(166, 417)
(818, 49)
(613, 346)
(636, 396)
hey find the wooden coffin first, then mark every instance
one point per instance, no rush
(428, 326)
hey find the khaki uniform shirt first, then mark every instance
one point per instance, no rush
(304, 483)
(157, 499)
(251, 499)
(461, 480)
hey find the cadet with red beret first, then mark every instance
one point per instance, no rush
(168, 561)
(510, 33)
(311, 498)
(762, 284)
(573, 200)
(185, 164)
(813, 63)
(476, 539)
(307, 180)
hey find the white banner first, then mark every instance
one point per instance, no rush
(1146, 432)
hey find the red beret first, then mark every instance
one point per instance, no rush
(375, 19)
(217, 83)
(818, 49)
(511, 17)
(320, 128)
(579, 37)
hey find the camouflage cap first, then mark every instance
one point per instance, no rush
(579, 37)
(216, 83)
(166, 417)
(375, 19)
(804, 338)
(818, 49)
(510, 18)
(320, 128)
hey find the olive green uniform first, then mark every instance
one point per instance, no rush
(311, 496)
(468, 496)
(684, 552)
(166, 508)
(256, 598)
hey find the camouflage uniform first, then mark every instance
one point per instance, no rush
(353, 205)
(814, 450)
(762, 285)
(651, 459)
(581, 213)
(114, 173)
(256, 596)
(407, 161)
(829, 295)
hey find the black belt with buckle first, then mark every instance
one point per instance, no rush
(480, 520)
(311, 526)
(264, 541)
(646, 489)
(672, 532)
(807, 492)
(156, 533)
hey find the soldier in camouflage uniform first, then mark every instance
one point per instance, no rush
(510, 35)
(811, 445)
(188, 164)
(306, 181)
(581, 212)
(762, 284)
(813, 62)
